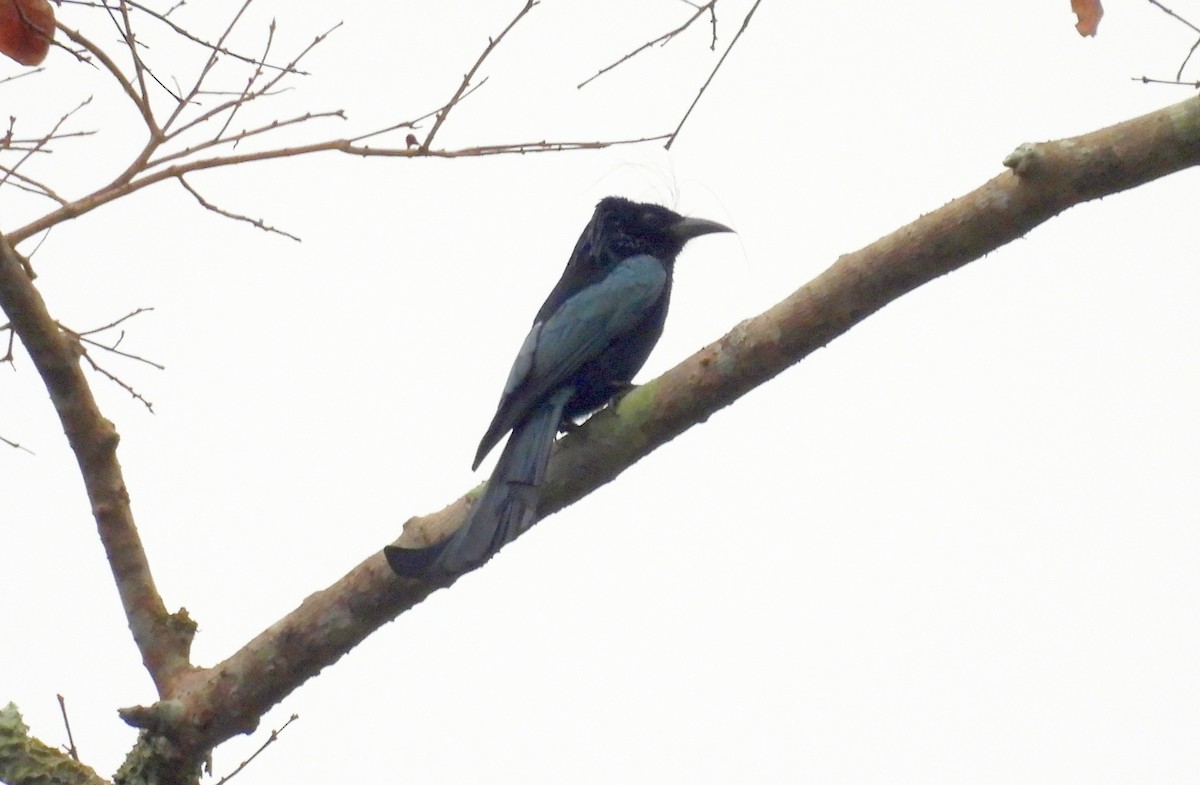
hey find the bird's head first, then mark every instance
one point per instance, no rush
(621, 228)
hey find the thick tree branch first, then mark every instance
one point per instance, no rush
(163, 639)
(1044, 180)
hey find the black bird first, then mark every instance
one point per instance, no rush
(593, 333)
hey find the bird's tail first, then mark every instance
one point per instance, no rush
(507, 507)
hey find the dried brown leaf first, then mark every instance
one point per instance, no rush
(1088, 13)
(26, 30)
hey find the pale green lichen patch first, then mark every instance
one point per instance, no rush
(1185, 118)
(639, 401)
(26, 761)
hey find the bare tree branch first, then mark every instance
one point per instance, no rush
(99, 198)
(163, 639)
(185, 101)
(1042, 180)
(1192, 51)
(241, 136)
(40, 144)
(187, 34)
(663, 39)
(255, 222)
(117, 381)
(461, 92)
(696, 100)
(8, 355)
(246, 95)
(1174, 15)
(116, 322)
(126, 31)
(84, 336)
(71, 749)
(127, 355)
(1148, 80)
(29, 185)
(21, 74)
(274, 737)
(111, 66)
(16, 446)
(165, 157)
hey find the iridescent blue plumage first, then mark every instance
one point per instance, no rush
(593, 333)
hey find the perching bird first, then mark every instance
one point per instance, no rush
(593, 333)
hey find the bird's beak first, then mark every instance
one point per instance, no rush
(689, 228)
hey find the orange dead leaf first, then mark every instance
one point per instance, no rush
(26, 30)
(1088, 12)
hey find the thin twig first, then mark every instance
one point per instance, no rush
(707, 82)
(127, 355)
(71, 750)
(23, 183)
(461, 93)
(414, 122)
(8, 355)
(83, 337)
(110, 66)
(663, 39)
(270, 740)
(244, 96)
(207, 68)
(255, 222)
(267, 89)
(242, 136)
(1171, 13)
(15, 143)
(11, 171)
(1148, 80)
(126, 31)
(108, 194)
(163, 158)
(118, 381)
(22, 447)
(185, 33)
(31, 72)
(1192, 51)
(28, 258)
(32, 186)
(122, 320)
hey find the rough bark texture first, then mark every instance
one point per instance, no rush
(163, 639)
(1043, 180)
(202, 708)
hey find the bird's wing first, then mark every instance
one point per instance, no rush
(589, 321)
(577, 332)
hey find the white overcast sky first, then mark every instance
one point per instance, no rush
(959, 544)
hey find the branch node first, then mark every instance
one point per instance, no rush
(1025, 160)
